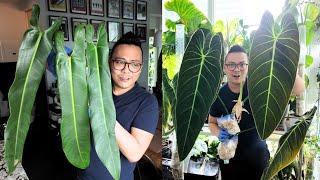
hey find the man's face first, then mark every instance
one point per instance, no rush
(236, 64)
(125, 78)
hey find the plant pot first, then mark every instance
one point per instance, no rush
(203, 166)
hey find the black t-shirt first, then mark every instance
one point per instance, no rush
(135, 108)
(249, 141)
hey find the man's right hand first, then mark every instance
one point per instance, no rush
(224, 135)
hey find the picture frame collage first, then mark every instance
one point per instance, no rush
(120, 16)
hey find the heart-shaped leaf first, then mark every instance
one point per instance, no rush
(103, 113)
(273, 64)
(289, 145)
(73, 91)
(198, 84)
(34, 50)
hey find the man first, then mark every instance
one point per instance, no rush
(136, 111)
(252, 154)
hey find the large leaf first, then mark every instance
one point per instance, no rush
(73, 91)
(33, 53)
(198, 83)
(273, 64)
(189, 14)
(102, 110)
(289, 145)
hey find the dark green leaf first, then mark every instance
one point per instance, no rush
(289, 145)
(33, 53)
(73, 91)
(103, 113)
(198, 83)
(273, 64)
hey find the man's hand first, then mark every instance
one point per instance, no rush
(224, 135)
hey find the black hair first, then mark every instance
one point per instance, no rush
(130, 39)
(236, 49)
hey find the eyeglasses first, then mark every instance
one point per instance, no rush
(233, 66)
(120, 64)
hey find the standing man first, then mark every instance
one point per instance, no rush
(136, 111)
(252, 154)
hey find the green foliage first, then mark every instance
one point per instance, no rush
(289, 145)
(308, 61)
(34, 50)
(273, 63)
(102, 109)
(198, 83)
(73, 92)
(190, 16)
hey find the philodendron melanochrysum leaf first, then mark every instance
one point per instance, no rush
(289, 145)
(273, 64)
(73, 91)
(102, 110)
(198, 84)
(33, 53)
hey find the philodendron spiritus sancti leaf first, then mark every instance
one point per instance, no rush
(102, 110)
(73, 91)
(34, 50)
(289, 145)
(198, 84)
(272, 70)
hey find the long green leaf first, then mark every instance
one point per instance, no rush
(33, 53)
(273, 64)
(198, 84)
(289, 145)
(103, 113)
(168, 96)
(73, 91)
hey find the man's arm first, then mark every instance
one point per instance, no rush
(133, 145)
(213, 126)
(298, 86)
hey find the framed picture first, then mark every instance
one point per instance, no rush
(75, 22)
(127, 9)
(114, 8)
(95, 23)
(113, 31)
(78, 6)
(141, 32)
(63, 27)
(57, 5)
(127, 27)
(96, 7)
(141, 10)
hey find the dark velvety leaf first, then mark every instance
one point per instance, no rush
(102, 110)
(73, 91)
(273, 64)
(34, 50)
(198, 84)
(289, 145)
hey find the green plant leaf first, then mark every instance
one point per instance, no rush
(306, 80)
(311, 11)
(34, 50)
(273, 64)
(103, 113)
(310, 31)
(198, 84)
(73, 91)
(308, 61)
(168, 95)
(289, 145)
(189, 14)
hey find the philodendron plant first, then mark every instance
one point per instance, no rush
(81, 92)
(273, 64)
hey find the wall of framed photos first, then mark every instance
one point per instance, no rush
(120, 16)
